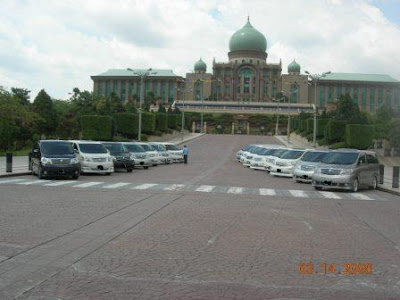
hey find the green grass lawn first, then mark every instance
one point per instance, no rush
(23, 152)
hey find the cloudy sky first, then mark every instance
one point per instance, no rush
(58, 45)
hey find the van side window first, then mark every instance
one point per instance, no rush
(372, 159)
(362, 160)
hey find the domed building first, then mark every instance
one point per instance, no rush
(247, 76)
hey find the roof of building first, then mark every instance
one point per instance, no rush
(359, 77)
(200, 65)
(248, 38)
(127, 73)
(294, 67)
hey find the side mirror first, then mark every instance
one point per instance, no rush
(36, 150)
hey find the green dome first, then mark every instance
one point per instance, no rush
(248, 38)
(200, 66)
(294, 67)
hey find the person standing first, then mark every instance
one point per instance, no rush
(185, 154)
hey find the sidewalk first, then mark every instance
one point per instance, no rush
(299, 142)
(20, 163)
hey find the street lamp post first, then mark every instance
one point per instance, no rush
(142, 74)
(314, 79)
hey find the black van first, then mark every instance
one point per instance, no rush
(121, 156)
(54, 158)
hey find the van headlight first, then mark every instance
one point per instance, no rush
(109, 158)
(346, 171)
(45, 161)
(87, 159)
(298, 167)
(133, 156)
(317, 171)
(73, 161)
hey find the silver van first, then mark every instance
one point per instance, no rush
(347, 169)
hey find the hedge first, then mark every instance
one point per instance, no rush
(126, 124)
(321, 124)
(310, 126)
(173, 120)
(359, 136)
(148, 122)
(335, 131)
(98, 128)
(161, 122)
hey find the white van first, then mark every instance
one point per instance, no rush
(93, 157)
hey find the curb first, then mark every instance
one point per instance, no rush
(15, 174)
(189, 139)
(388, 191)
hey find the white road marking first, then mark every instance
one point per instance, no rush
(330, 195)
(34, 182)
(361, 196)
(116, 185)
(298, 193)
(205, 188)
(144, 186)
(15, 180)
(235, 190)
(174, 187)
(267, 192)
(58, 183)
(88, 184)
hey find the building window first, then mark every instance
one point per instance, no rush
(364, 97)
(338, 91)
(171, 93)
(294, 94)
(355, 95)
(380, 97)
(371, 98)
(251, 61)
(163, 91)
(123, 91)
(322, 95)
(388, 98)
(330, 93)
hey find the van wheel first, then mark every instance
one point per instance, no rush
(355, 185)
(76, 176)
(145, 167)
(374, 185)
(129, 170)
(40, 172)
(108, 174)
(318, 188)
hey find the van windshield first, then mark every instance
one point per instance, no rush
(134, 148)
(56, 148)
(172, 147)
(115, 147)
(92, 148)
(147, 147)
(340, 158)
(291, 154)
(314, 156)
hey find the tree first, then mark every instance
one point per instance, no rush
(348, 111)
(16, 122)
(43, 106)
(161, 108)
(21, 94)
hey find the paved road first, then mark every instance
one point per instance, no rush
(211, 229)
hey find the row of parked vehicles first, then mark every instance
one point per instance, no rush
(75, 157)
(347, 169)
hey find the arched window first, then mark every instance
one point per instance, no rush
(246, 73)
(294, 92)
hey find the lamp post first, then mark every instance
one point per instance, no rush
(277, 115)
(184, 91)
(314, 79)
(142, 74)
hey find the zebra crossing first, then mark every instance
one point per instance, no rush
(235, 190)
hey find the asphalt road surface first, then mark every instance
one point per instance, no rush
(211, 229)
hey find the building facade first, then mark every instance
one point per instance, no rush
(247, 76)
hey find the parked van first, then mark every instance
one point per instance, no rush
(347, 169)
(121, 157)
(175, 153)
(93, 157)
(54, 158)
(141, 158)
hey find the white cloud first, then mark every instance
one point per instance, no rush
(58, 45)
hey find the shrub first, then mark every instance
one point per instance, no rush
(173, 120)
(310, 125)
(97, 128)
(321, 124)
(148, 123)
(338, 145)
(359, 136)
(126, 124)
(161, 122)
(335, 131)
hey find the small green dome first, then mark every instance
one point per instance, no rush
(248, 38)
(200, 66)
(294, 67)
